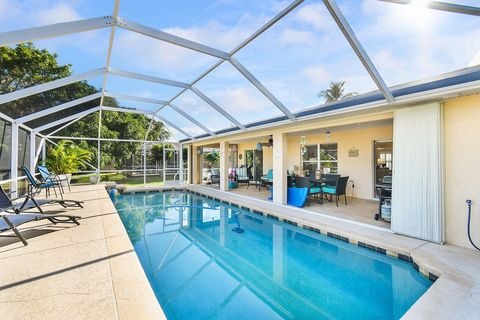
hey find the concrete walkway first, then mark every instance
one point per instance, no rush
(75, 272)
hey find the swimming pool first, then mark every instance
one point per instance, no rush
(200, 268)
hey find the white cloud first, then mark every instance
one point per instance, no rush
(316, 16)
(318, 75)
(61, 12)
(235, 99)
(291, 36)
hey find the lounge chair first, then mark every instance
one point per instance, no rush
(36, 187)
(47, 176)
(12, 221)
(242, 176)
(338, 190)
(28, 203)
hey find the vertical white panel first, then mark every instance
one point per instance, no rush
(417, 198)
(224, 164)
(280, 168)
(14, 160)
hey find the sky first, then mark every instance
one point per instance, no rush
(295, 59)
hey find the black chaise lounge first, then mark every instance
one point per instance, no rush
(12, 221)
(29, 202)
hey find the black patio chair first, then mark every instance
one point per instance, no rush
(338, 190)
(304, 182)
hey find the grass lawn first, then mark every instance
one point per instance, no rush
(120, 178)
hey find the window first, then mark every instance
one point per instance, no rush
(310, 159)
(329, 158)
(327, 162)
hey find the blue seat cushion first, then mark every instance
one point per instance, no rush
(329, 190)
(314, 190)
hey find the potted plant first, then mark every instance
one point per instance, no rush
(66, 158)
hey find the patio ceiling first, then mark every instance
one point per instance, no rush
(174, 111)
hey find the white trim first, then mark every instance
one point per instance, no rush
(54, 30)
(187, 116)
(127, 110)
(15, 95)
(170, 38)
(144, 77)
(135, 98)
(66, 119)
(60, 107)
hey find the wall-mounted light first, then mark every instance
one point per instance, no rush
(327, 136)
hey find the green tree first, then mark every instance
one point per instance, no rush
(25, 65)
(213, 158)
(335, 92)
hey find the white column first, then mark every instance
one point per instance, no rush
(417, 189)
(196, 175)
(14, 160)
(144, 163)
(44, 152)
(180, 163)
(32, 150)
(224, 165)
(223, 225)
(277, 243)
(280, 168)
(189, 164)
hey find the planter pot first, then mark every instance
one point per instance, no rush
(94, 179)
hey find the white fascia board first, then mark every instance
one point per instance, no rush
(7, 97)
(135, 98)
(54, 30)
(60, 107)
(144, 77)
(170, 38)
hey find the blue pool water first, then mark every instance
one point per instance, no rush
(200, 269)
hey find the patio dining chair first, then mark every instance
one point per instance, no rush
(35, 186)
(304, 182)
(47, 175)
(338, 190)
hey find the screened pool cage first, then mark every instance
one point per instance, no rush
(25, 137)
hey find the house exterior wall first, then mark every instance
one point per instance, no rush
(359, 169)
(462, 168)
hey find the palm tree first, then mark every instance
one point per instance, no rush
(335, 92)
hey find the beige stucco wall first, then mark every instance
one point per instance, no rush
(359, 169)
(462, 167)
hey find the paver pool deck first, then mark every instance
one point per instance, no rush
(91, 271)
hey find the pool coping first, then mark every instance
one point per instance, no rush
(447, 277)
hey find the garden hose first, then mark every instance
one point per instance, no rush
(469, 204)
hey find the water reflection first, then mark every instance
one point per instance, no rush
(200, 268)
